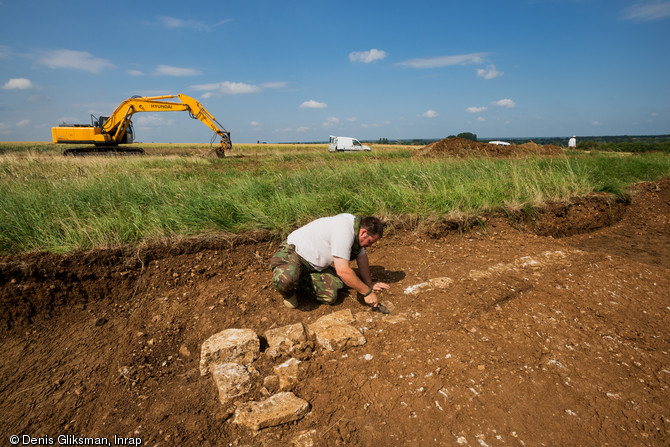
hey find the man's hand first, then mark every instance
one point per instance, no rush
(372, 299)
(379, 286)
(347, 275)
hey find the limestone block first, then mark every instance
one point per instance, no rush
(271, 382)
(286, 336)
(240, 346)
(288, 373)
(232, 380)
(276, 410)
(305, 438)
(335, 332)
(342, 316)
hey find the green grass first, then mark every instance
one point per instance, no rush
(59, 204)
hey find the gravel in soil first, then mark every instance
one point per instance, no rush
(543, 331)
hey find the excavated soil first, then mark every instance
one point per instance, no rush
(550, 330)
(460, 147)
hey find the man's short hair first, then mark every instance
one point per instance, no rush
(374, 226)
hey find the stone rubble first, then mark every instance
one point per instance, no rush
(335, 332)
(279, 409)
(228, 356)
(232, 380)
(286, 336)
(288, 373)
(240, 346)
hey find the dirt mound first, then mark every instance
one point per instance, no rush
(460, 147)
(498, 336)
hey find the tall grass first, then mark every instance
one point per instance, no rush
(61, 204)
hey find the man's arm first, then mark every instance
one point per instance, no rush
(364, 268)
(346, 274)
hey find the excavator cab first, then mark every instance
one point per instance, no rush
(99, 121)
(127, 137)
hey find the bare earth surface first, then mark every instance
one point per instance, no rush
(552, 333)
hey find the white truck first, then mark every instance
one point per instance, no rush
(338, 144)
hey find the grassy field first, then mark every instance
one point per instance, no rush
(53, 203)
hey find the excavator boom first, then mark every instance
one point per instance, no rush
(117, 128)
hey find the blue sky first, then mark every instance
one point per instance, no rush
(286, 71)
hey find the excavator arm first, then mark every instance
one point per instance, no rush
(115, 129)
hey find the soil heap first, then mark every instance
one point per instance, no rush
(461, 147)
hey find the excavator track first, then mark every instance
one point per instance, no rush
(88, 151)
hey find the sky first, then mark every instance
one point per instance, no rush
(299, 71)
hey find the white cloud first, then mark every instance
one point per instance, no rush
(331, 121)
(79, 60)
(481, 118)
(489, 72)
(444, 61)
(226, 88)
(18, 84)
(234, 88)
(280, 84)
(5, 129)
(302, 129)
(505, 103)
(429, 114)
(596, 123)
(367, 56)
(22, 123)
(476, 109)
(135, 73)
(647, 11)
(173, 22)
(211, 86)
(254, 123)
(311, 104)
(352, 119)
(238, 88)
(168, 70)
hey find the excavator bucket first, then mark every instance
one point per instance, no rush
(226, 145)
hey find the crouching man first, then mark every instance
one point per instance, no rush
(314, 260)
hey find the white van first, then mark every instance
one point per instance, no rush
(346, 144)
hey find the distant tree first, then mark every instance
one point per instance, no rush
(467, 136)
(588, 145)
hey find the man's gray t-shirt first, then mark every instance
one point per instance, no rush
(320, 241)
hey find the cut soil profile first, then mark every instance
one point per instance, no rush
(549, 331)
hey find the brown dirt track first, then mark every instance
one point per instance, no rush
(520, 339)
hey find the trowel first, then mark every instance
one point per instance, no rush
(381, 309)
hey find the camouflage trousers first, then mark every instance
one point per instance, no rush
(292, 274)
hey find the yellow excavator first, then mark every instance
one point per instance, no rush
(107, 132)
